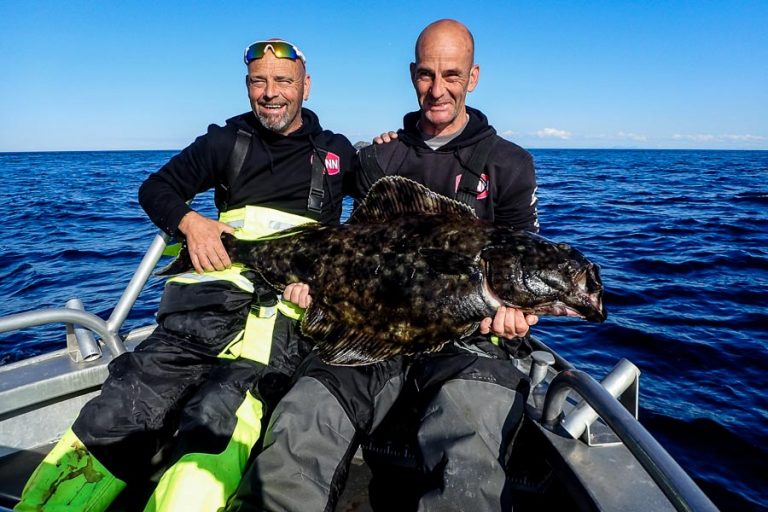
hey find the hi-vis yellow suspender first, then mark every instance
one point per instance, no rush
(250, 223)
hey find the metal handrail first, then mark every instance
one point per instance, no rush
(107, 330)
(139, 279)
(66, 315)
(679, 488)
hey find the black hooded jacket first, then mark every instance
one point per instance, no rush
(276, 172)
(506, 191)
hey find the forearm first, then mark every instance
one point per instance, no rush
(164, 206)
(165, 193)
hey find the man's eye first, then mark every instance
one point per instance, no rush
(255, 83)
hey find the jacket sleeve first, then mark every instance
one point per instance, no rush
(164, 194)
(516, 203)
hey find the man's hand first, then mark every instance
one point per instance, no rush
(204, 242)
(508, 323)
(385, 137)
(298, 293)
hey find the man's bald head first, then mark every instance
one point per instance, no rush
(443, 32)
(443, 74)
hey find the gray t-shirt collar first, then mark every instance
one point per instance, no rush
(435, 142)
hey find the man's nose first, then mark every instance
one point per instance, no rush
(438, 87)
(270, 89)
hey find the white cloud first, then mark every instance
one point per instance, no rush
(708, 137)
(639, 137)
(553, 133)
(695, 137)
(508, 133)
(745, 138)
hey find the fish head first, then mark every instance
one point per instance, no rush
(529, 272)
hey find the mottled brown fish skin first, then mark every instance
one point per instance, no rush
(392, 283)
(376, 277)
(412, 270)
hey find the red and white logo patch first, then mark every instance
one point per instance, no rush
(332, 164)
(482, 186)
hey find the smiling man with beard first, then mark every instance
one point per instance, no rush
(190, 399)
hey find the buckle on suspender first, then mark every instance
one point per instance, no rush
(315, 200)
(316, 191)
(264, 303)
(262, 311)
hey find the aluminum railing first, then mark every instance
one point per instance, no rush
(679, 488)
(82, 322)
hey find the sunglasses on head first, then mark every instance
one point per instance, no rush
(281, 49)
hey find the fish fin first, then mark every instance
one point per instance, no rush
(395, 196)
(338, 344)
(449, 263)
(350, 352)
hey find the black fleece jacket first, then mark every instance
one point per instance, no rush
(506, 192)
(276, 172)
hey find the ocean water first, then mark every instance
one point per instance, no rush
(681, 236)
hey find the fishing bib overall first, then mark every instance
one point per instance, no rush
(188, 402)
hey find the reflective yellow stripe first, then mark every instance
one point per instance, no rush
(70, 478)
(204, 481)
(255, 342)
(290, 309)
(232, 275)
(253, 222)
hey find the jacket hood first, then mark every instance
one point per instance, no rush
(477, 128)
(310, 126)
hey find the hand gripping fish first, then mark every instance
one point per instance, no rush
(412, 270)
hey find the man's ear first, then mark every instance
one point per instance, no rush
(474, 77)
(307, 86)
(412, 69)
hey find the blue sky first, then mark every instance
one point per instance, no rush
(599, 74)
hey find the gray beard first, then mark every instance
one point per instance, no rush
(275, 125)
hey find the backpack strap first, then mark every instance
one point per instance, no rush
(372, 169)
(470, 178)
(235, 164)
(316, 190)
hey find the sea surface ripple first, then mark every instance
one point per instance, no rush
(681, 238)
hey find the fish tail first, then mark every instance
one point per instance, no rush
(181, 264)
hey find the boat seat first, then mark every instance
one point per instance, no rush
(14, 472)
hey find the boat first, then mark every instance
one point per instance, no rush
(580, 446)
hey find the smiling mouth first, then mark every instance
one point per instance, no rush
(271, 107)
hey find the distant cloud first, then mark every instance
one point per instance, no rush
(553, 133)
(707, 137)
(509, 133)
(639, 137)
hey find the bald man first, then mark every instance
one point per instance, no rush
(468, 398)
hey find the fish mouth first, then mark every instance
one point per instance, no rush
(587, 301)
(590, 309)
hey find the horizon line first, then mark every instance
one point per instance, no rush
(529, 148)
